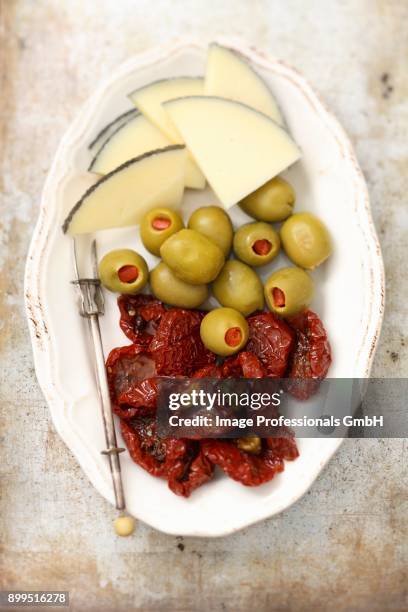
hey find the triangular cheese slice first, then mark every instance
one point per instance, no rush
(134, 138)
(149, 100)
(228, 75)
(123, 196)
(237, 148)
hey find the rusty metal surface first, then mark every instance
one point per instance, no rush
(344, 545)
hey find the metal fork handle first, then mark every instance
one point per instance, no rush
(109, 426)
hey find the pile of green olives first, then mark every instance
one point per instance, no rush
(198, 255)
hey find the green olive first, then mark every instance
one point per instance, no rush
(157, 225)
(256, 244)
(171, 290)
(306, 240)
(123, 271)
(272, 202)
(192, 257)
(288, 291)
(238, 286)
(224, 331)
(214, 223)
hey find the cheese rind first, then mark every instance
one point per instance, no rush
(134, 138)
(228, 75)
(149, 100)
(107, 131)
(122, 197)
(237, 148)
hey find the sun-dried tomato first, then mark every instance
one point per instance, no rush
(245, 364)
(251, 470)
(127, 411)
(131, 378)
(144, 445)
(177, 348)
(285, 447)
(180, 461)
(311, 358)
(210, 371)
(142, 394)
(139, 317)
(187, 466)
(271, 340)
(168, 343)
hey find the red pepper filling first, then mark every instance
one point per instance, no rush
(278, 297)
(261, 247)
(128, 274)
(233, 336)
(161, 223)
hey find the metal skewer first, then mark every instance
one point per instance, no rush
(91, 306)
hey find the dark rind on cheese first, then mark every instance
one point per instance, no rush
(129, 113)
(120, 127)
(91, 189)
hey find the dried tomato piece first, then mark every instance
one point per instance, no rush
(180, 461)
(231, 368)
(187, 466)
(143, 394)
(271, 340)
(144, 445)
(210, 371)
(245, 364)
(131, 379)
(127, 412)
(250, 470)
(177, 348)
(128, 365)
(311, 358)
(285, 447)
(139, 317)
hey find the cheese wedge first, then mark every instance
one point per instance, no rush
(134, 138)
(122, 197)
(237, 148)
(228, 75)
(107, 131)
(149, 100)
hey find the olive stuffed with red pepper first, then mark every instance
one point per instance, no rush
(224, 331)
(157, 225)
(123, 271)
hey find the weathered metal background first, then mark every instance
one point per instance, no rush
(344, 545)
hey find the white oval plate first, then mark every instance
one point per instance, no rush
(350, 297)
